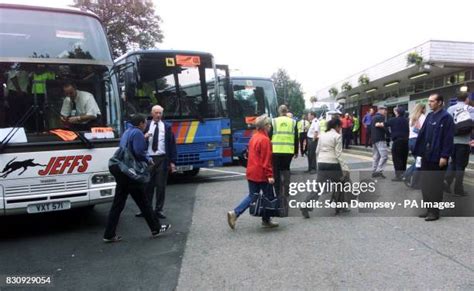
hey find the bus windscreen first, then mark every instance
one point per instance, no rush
(52, 35)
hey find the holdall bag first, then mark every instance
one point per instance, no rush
(463, 122)
(274, 206)
(128, 164)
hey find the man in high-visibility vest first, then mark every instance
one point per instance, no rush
(284, 148)
(355, 129)
(38, 90)
(303, 126)
(322, 124)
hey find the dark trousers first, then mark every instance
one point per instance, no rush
(124, 187)
(312, 145)
(355, 136)
(281, 170)
(326, 173)
(157, 184)
(432, 177)
(346, 137)
(368, 141)
(303, 143)
(400, 156)
(459, 162)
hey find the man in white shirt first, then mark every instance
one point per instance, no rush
(79, 107)
(162, 149)
(313, 133)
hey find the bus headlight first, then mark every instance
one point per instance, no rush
(102, 179)
(211, 146)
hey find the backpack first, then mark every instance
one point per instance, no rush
(463, 122)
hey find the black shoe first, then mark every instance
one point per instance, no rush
(382, 176)
(304, 212)
(160, 215)
(375, 175)
(447, 188)
(423, 215)
(460, 193)
(431, 217)
(139, 214)
(113, 239)
(164, 228)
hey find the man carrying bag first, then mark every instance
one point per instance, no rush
(129, 167)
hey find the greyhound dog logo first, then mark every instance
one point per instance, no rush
(14, 166)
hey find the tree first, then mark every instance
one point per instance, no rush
(289, 92)
(130, 24)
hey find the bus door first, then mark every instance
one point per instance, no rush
(224, 92)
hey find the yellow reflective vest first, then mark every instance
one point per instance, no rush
(303, 125)
(39, 82)
(323, 125)
(283, 138)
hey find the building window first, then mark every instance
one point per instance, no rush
(461, 77)
(467, 75)
(451, 80)
(429, 84)
(402, 91)
(438, 83)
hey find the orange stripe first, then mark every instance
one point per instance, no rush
(182, 132)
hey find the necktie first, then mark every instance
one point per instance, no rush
(154, 144)
(73, 108)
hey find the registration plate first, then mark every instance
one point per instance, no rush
(48, 207)
(184, 168)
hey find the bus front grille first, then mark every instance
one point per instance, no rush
(46, 188)
(188, 158)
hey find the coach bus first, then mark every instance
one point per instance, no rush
(249, 98)
(244, 99)
(178, 81)
(53, 154)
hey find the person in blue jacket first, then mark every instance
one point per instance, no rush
(135, 139)
(434, 145)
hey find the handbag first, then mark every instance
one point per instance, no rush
(274, 206)
(124, 159)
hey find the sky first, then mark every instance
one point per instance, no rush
(317, 42)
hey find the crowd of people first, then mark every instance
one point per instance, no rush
(440, 143)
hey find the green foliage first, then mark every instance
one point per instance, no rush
(414, 58)
(289, 92)
(363, 80)
(333, 91)
(130, 24)
(346, 86)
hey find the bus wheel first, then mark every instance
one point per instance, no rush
(191, 173)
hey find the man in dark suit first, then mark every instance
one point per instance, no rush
(162, 149)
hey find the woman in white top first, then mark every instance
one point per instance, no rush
(331, 166)
(417, 119)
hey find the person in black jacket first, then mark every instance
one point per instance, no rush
(434, 145)
(399, 131)
(161, 147)
(378, 130)
(134, 138)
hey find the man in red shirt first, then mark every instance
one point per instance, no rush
(259, 171)
(346, 130)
